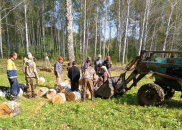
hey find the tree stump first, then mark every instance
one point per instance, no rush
(41, 91)
(51, 93)
(59, 98)
(73, 96)
(41, 80)
(9, 109)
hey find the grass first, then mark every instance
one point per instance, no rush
(116, 113)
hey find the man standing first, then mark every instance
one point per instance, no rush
(12, 76)
(58, 70)
(31, 75)
(98, 61)
(74, 75)
(88, 78)
(108, 64)
(85, 64)
(102, 72)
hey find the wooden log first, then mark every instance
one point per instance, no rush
(59, 98)
(41, 80)
(66, 91)
(9, 109)
(51, 93)
(88, 95)
(58, 88)
(41, 91)
(73, 96)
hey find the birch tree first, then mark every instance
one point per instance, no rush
(96, 19)
(69, 29)
(126, 31)
(26, 28)
(105, 26)
(169, 22)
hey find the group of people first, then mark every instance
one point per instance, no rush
(90, 74)
(31, 75)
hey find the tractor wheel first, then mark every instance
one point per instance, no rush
(150, 94)
(169, 93)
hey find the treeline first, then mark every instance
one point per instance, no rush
(119, 28)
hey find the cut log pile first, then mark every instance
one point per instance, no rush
(9, 109)
(47, 69)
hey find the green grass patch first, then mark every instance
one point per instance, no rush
(115, 113)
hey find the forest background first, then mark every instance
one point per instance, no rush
(119, 28)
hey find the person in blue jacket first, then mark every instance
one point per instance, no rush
(12, 76)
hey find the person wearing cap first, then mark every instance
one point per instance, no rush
(31, 75)
(26, 58)
(88, 78)
(74, 75)
(85, 64)
(58, 70)
(108, 64)
(12, 76)
(98, 61)
(102, 73)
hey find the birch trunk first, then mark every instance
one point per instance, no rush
(142, 32)
(7, 30)
(1, 45)
(168, 24)
(96, 31)
(126, 31)
(148, 2)
(104, 43)
(43, 26)
(26, 28)
(119, 31)
(84, 29)
(69, 20)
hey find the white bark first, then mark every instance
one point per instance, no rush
(84, 28)
(126, 31)
(1, 45)
(119, 31)
(142, 31)
(96, 30)
(7, 30)
(43, 26)
(69, 29)
(26, 28)
(168, 24)
(148, 4)
(104, 44)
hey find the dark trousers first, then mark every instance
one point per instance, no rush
(74, 86)
(15, 89)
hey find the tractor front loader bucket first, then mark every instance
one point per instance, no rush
(110, 88)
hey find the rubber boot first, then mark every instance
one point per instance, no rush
(92, 96)
(84, 95)
(14, 99)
